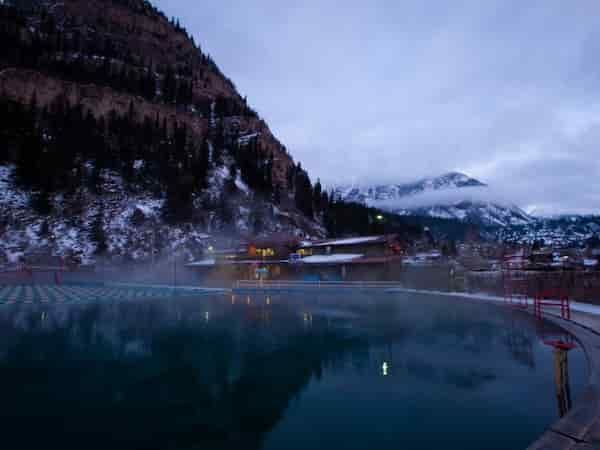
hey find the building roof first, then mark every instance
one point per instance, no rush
(202, 263)
(347, 241)
(335, 258)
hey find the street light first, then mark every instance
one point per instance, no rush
(379, 217)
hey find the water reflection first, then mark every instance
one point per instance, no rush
(561, 343)
(260, 372)
(561, 377)
(193, 377)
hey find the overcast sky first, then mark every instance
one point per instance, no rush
(388, 91)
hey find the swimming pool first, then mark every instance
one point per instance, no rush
(372, 371)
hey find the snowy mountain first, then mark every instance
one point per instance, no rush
(450, 196)
(378, 193)
(123, 139)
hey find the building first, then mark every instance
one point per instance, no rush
(366, 246)
(285, 257)
(274, 247)
(360, 258)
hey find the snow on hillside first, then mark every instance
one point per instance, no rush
(132, 222)
(558, 232)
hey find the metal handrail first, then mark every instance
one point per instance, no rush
(317, 284)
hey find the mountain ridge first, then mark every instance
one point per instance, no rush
(424, 197)
(116, 126)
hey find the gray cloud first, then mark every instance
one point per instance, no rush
(388, 91)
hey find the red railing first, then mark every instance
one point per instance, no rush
(552, 298)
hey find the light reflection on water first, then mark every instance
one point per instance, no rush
(294, 372)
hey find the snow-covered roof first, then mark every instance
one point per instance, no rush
(202, 262)
(590, 262)
(431, 254)
(333, 258)
(348, 241)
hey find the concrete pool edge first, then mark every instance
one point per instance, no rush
(579, 429)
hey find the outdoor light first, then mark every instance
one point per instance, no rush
(379, 217)
(384, 368)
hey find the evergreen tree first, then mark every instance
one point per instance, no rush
(41, 202)
(277, 194)
(230, 186)
(303, 194)
(317, 195)
(169, 87)
(98, 233)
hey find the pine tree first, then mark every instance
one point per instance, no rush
(277, 194)
(303, 194)
(317, 198)
(230, 186)
(169, 87)
(98, 233)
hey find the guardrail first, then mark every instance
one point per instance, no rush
(555, 298)
(293, 284)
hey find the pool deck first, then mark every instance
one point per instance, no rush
(580, 428)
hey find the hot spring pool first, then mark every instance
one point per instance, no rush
(302, 372)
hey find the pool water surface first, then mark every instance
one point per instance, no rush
(381, 371)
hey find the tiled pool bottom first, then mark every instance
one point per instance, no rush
(36, 293)
(303, 372)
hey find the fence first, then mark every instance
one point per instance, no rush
(297, 285)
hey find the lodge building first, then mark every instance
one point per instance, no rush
(285, 257)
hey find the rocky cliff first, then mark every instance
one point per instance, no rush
(166, 130)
